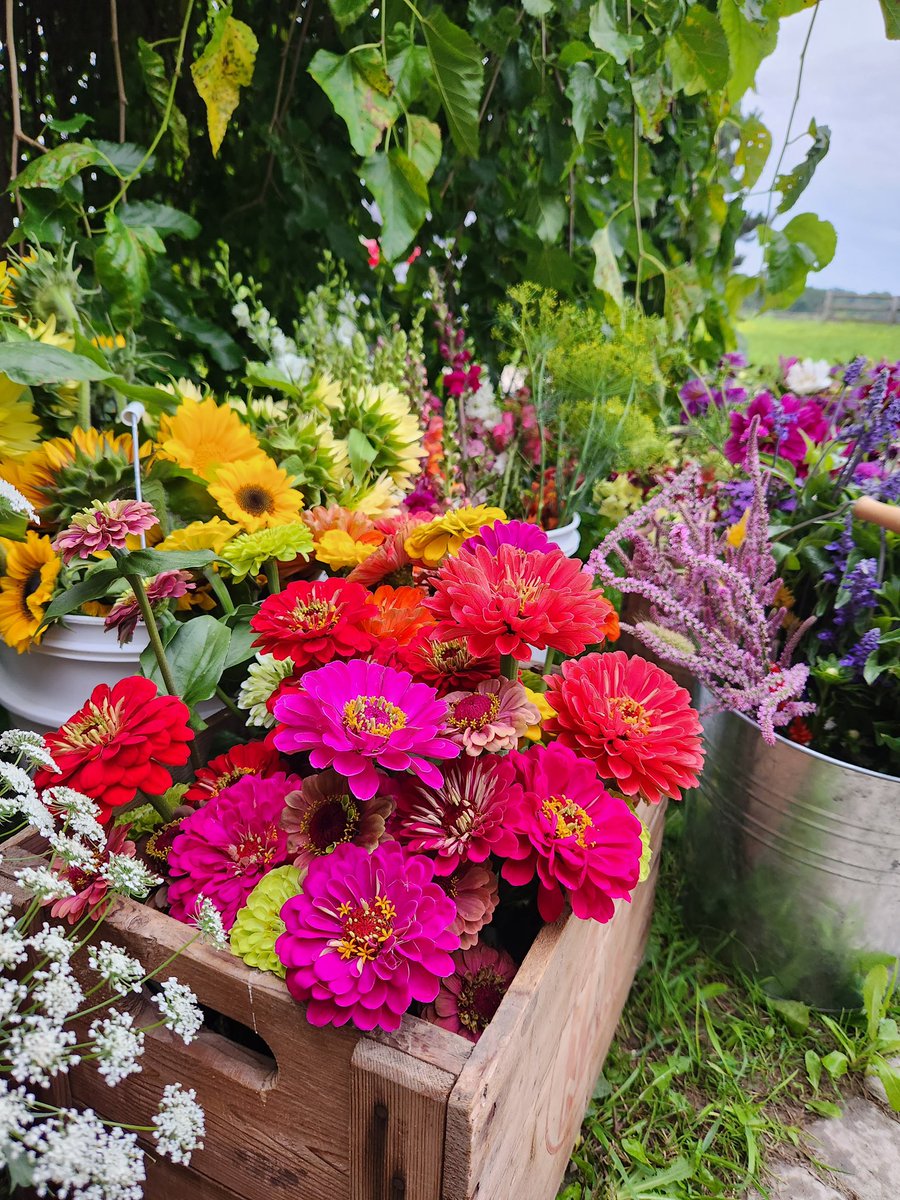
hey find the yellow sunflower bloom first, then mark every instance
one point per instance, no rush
(337, 549)
(202, 436)
(257, 494)
(444, 535)
(213, 534)
(27, 587)
(19, 429)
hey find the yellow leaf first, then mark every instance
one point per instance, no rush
(224, 67)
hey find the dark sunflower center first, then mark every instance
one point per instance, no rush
(29, 587)
(255, 500)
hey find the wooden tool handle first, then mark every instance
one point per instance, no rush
(885, 515)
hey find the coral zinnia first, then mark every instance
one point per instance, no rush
(252, 758)
(632, 719)
(467, 999)
(26, 589)
(256, 493)
(464, 819)
(400, 615)
(312, 623)
(447, 665)
(573, 834)
(370, 934)
(514, 600)
(492, 718)
(323, 814)
(202, 436)
(356, 715)
(474, 890)
(390, 560)
(224, 848)
(258, 925)
(444, 535)
(120, 742)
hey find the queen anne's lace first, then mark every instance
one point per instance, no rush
(180, 1124)
(180, 1010)
(117, 1046)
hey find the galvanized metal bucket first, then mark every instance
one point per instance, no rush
(798, 855)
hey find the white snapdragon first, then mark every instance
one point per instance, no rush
(42, 883)
(180, 1010)
(263, 677)
(117, 1045)
(116, 968)
(39, 1049)
(482, 405)
(57, 991)
(76, 1157)
(129, 876)
(28, 745)
(180, 1124)
(208, 920)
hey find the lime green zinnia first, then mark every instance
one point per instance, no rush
(247, 553)
(258, 925)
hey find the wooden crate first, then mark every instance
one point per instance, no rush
(420, 1114)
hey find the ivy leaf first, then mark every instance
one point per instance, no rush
(890, 10)
(157, 85)
(196, 653)
(458, 75)
(424, 144)
(52, 169)
(161, 217)
(583, 90)
(748, 45)
(795, 182)
(607, 277)
(753, 152)
(698, 53)
(684, 298)
(347, 11)
(224, 67)
(120, 262)
(347, 80)
(402, 197)
(606, 35)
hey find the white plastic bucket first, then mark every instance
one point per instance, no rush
(566, 537)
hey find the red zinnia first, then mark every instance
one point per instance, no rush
(122, 741)
(312, 623)
(515, 599)
(448, 666)
(632, 719)
(254, 758)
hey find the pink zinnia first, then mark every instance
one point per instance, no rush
(224, 848)
(104, 527)
(369, 934)
(474, 889)
(468, 999)
(630, 718)
(356, 715)
(323, 815)
(490, 719)
(784, 426)
(573, 834)
(125, 613)
(465, 819)
(90, 887)
(522, 534)
(515, 599)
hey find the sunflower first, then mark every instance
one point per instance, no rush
(201, 436)
(257, 494)
(88, 465)
(19, 430)
(384, 418)
(213, 535)
(31, 570)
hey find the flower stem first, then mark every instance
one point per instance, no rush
(509, 667)
(221, 591)
(84, 405)
(228, 702)
(549, 661)
(272, 576)
(159, 803)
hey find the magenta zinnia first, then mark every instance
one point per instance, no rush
(370, 934)
(468, 999)
(224, 848)
(492, 718)
(104, 527)
(630, 718)
(323, 815)
(465, 819)
(573, 834)
(355, 716)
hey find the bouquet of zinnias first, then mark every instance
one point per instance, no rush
(414, 780)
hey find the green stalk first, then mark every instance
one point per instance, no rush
(272, 576)
(159, 803)
(228, 702)
(549, 661)
(509, 667)
(84, 405)
(215, 582)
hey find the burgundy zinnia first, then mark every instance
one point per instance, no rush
(323, 814)
(253, 758)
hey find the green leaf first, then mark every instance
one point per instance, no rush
(52, 169)
(120, 158)
(538, 8)
(796, 181)
(606, 35)
(817, 235)
(875, 987)
(836, 1064)
(402, 197)
(94, 585)
(347, 11)
(347, 81)
(408, 66)
(120, 262)
(890, 10)
(424, 144)
(161, 217)
(698, 53)
(813, 1068)
(684, 298)
(224, 67)
(794, 1014)
(753, 152)
(459, 77)
(547, 213)
(825, 1108)
(748, 44)
(37, 364)
(583, 90)
(157, 84)
(70, 125)
(652, 100)
(890, 1077)
(361, 453)
(240, 648)
(196, 654)
(147, 563)
(607, 277)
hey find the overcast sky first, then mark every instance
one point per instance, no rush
(851, 82)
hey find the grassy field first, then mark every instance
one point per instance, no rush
(837, 341)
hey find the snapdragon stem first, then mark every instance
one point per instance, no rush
(272, 576)
(509, 667)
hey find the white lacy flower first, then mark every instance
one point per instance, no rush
(57, 991)
(809, 376)
(51, 942)
(75, 1155)
(73, 851)
(45, 885)
(17, 794)
(12, 993)
(129, 875)
(482, 405)
(16, 501)
(15, 1118)
(180, 1009)
(29, 745)
(78, 813)
(116, 968)
(263, 677)
(241, 314)
(12, 944)
(180, 1124)
(208, 920)
(118, 1046)
(38, 1049)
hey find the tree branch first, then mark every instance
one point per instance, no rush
(117, 59)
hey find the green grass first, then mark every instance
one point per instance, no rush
(706, 1078)
(837, 341)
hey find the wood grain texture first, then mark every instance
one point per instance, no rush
(516, 1109)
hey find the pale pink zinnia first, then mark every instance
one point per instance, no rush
(474, 889)
(465, 819)
(492, 718)
(469, 998)
(323, 814)
(104, 526)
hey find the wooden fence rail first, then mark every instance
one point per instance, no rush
(845, 306)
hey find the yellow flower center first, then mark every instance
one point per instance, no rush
(99, 723)
(631, 712)
(449, 657)
(474, 712)
(373, 714)
(255, 500)
(570, 818)
(366, 927)
(314, 616)
(256, 849)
